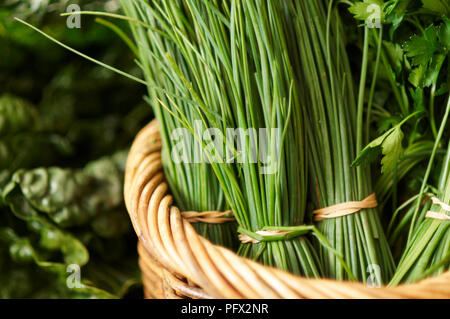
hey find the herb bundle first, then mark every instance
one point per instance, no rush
(335, 131)
(428, 247)
(427, 254)
(229, 62)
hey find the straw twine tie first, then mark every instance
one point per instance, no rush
(344, 209)
(210, 217)
(436, 215)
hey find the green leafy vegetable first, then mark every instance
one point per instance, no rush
(52, 201)
(428, 53)
(389, 144)
(17, 115)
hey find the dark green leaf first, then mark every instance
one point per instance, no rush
(422, 48)
(16, 115)
(372, 149)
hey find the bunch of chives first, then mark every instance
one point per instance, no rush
(335, 136)
(428, 252)
(428, 245)
(229, 61)
(191, 181)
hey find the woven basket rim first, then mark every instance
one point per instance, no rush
(196, 268)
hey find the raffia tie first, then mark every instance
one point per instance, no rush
(345, 208)
(247, 239)
(436, 215)
(210, 217)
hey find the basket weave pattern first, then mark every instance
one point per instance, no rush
(176, 262)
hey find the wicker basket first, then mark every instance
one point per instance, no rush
(176, 262)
